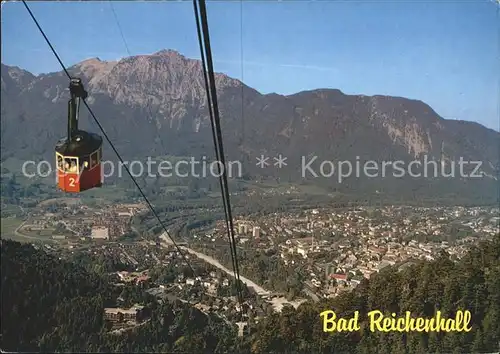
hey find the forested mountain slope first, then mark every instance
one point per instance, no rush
(471, 284)
(50, 305)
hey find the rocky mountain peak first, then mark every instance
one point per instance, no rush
(94, 69)
(158, 101)
(14, 76)
(169, 53)
(155, 79)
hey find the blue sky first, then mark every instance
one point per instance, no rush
(445, 53)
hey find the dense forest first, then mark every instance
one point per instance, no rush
(51, 305)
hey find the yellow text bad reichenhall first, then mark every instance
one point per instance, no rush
(380, 323)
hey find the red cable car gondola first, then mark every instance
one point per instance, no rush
(78, 156)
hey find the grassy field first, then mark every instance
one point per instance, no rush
(8, 231)
(9, 225)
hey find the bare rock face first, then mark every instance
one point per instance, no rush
(156, 104)
(157, 79)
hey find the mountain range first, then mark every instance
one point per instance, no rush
(155, 105)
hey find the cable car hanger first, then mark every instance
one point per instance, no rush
(77, 92)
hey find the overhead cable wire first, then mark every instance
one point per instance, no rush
(119, 27)
(211, 75)
(109, 141)
(115, 15)
(213, 112)
(214, 135)
(122, 35)
(204, 41)
(217, 135)
(217, 152)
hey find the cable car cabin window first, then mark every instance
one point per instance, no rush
(71, 165)
(60, 163)
(94, 159)
(84, 163)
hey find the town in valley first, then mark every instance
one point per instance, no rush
(332, 249)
